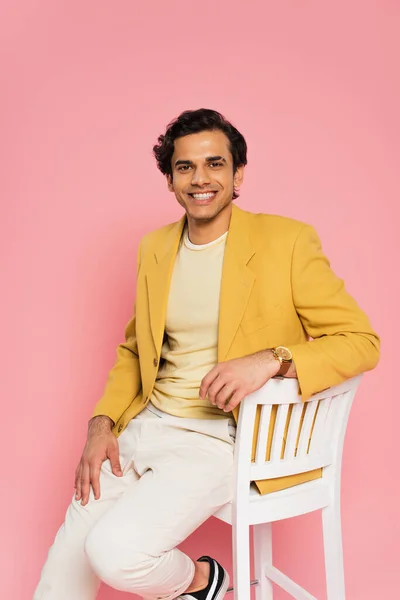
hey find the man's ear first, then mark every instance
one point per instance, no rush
(238, 176)
(169, 183)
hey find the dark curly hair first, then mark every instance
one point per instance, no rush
(195, 121)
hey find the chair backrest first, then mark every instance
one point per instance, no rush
(292, 436)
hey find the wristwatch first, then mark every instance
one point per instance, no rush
(285, 358)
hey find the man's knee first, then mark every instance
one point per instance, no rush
(115, 564)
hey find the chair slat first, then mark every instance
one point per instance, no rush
(293, 431)
(334, 416)
(319, 434)
(283, 468)
(311, 407)
(263, 430)
(278, 439)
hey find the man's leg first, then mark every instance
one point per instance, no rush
(185, 469)
(67, 574)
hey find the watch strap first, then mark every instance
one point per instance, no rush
(285, 366)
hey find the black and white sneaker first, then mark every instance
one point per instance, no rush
(217, 584)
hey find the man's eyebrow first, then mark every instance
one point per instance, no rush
(213, 158)
(183, 162)
(208, 159)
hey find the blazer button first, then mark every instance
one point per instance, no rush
(120, 428)
(155, 362)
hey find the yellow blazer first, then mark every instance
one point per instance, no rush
(277, 289)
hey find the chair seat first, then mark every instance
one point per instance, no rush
(297, 500)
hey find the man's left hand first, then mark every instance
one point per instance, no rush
(229, 382)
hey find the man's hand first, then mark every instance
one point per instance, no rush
(100, 445)
(229, 382)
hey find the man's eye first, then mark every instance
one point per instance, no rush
(216, 164)
(183, 167)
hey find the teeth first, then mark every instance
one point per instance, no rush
(203, 196)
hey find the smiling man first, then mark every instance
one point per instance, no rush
(225, 301)
(204, 184)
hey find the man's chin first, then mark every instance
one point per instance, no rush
(202, 215)
(205, 213)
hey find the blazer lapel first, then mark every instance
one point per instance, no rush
(237, 281)
(158, 278)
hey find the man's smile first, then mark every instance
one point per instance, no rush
(203, 197)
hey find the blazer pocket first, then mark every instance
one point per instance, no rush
(259, 322)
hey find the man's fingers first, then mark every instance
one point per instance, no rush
(235, 400)
(225, 393)
(78, 482)
(207, 381)
(113, 455)
(95, 480)
(77, 472)
(85, 483)
(215, 388)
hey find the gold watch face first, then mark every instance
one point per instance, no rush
(284, 353)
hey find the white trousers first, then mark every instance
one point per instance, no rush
(177, 472)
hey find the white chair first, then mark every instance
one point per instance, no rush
(314, 439)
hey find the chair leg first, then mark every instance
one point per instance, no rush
(241, 561)
(262, 544)
(333, 549)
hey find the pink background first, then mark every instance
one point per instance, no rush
(86, 87)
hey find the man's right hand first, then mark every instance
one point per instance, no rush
(101, 445)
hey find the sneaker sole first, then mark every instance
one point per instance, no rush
(223, 588)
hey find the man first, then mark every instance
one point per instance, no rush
(225, 301)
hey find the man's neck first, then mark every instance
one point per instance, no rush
(204, 232)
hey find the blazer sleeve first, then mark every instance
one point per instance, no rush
(124, 380)
(343, 342)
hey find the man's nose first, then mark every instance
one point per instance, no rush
(200, 176)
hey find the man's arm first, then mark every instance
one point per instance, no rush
(124, 383)
(124, 380)
(344, 343)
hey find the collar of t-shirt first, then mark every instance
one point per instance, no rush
(192, 246)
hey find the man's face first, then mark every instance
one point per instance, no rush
(202, 179)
